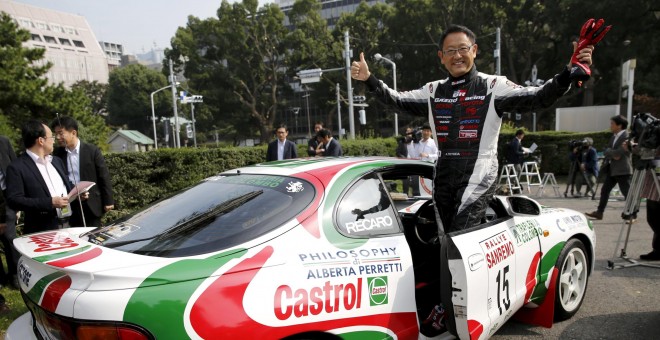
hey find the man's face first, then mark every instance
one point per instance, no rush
(614, 128)
(49, 141)
(317, 127)
(426, 133)
(458, 54)
(281, 134)
(65, 137)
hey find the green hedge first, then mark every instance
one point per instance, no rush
(142, 178)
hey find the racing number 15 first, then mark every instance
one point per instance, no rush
(503, 285)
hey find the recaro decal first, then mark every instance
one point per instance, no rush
(383, 222)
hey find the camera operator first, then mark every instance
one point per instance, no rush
(586, 158)
(649, 140)
(402, 144)
(616, 166)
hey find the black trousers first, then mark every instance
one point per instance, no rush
(608, 185)
(7, 239)
(653, 218)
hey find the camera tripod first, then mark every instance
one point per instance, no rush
(572, 174)
(630, 210)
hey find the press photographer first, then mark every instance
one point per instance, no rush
(584, 167)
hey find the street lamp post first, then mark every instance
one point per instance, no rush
(378, 56)
(153, 113)
(309, 124)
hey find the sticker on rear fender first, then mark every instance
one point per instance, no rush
(24, 274)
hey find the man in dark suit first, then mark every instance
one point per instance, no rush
(84, 162)
(515, 153)
(313, 143)
(616, 166)
(37, 183)
(331, 145)
(281, 148)
(7, 215)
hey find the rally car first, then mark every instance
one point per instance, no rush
(317, 248)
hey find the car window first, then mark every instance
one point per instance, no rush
(216, 214)
(366, 210)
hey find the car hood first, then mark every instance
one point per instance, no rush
(50, 255)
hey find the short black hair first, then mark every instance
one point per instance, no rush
(520, 132)
(65, 122)
(621, 121)
(426, 126)
(282, 126)
(31, 131)
(457, 29)
(323, 133)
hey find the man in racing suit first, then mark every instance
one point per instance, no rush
(465, 112)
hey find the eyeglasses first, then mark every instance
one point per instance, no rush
(50, 137)
(462, 50)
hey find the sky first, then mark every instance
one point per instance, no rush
(136, 24)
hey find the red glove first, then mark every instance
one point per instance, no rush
(592, 32)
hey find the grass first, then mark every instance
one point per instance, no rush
(14, 301)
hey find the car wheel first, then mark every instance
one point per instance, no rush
(573, 267)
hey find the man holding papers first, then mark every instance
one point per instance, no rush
(84, 163)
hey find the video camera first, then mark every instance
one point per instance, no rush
(578, 143)
(414, 137)
(645, 130)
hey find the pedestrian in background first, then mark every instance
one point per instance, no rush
(37, 183)
(515, 153)
(617, 167)
(7, 217)
(330, 145)
(84, 162)
(281, 148)
(313, 143)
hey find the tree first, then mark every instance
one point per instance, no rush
(25, 93)
(97, 94)
(21, 73)
(244, 49)
(129, 97)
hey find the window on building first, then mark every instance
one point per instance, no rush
(56, 28)
(50, 40)
(69, 30)
(41, 25)
(65, 42)
(36, 37)
(79, 43)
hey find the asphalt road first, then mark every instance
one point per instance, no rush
(622, 303)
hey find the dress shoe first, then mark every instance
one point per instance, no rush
(596, 215)
(652, 256)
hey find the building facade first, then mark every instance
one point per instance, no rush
(68, 39)
(113, 53)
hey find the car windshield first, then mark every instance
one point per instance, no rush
(218, 213)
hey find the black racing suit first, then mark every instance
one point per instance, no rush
(465, 115)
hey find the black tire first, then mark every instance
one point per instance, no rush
(571, 285)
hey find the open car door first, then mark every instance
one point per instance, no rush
(488, 271)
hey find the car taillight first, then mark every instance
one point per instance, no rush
(103, 332)
(54, 326)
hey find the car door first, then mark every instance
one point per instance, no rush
(492, 269)
(366, 215)
(480, 263)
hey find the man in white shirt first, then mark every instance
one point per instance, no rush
(426, 148)
(37, 183)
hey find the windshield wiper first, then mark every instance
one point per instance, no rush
(211, 213)
(195, 220)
